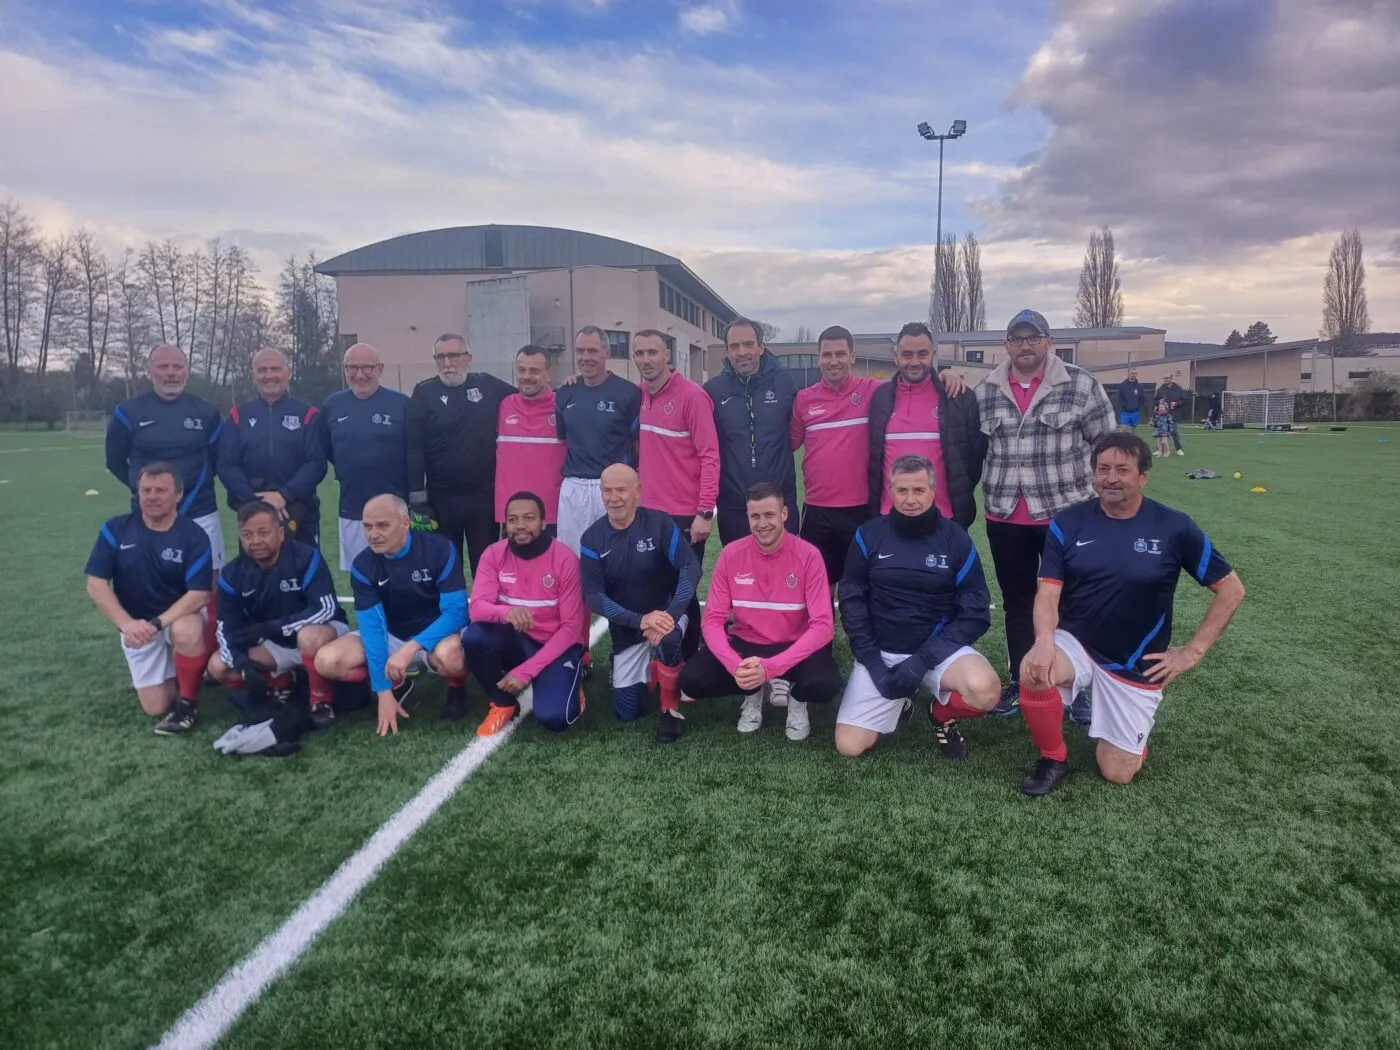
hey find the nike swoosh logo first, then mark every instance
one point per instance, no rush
(1082, 543)
(728, 399)
(882, 557)
(383, 582)
(127, 546)
(604, 555)
(249, 594)
(341, 419)
(145, 422)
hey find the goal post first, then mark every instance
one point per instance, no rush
(85, 421)
(1258, 408)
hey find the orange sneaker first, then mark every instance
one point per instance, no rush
(497, 719)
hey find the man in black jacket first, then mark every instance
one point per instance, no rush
(753, 408)
(452, 447)
(914, 415)
(1171, 392)
(913, 600)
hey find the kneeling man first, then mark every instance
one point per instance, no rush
(150, 574)
(277, 608)
(639, 573)
(913, 600)
(527, 615)
(410, 600)
(772, 584)
(1103, 615)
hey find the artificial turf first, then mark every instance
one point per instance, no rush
(596, 889)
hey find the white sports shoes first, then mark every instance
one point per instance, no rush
(779, 689)
(799, 727)
(751, 714)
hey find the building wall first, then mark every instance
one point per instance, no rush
(1320, 370)
(1089, 353)
(401, 315)
(1250, 372)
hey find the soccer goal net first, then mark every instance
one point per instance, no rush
(86, 422)
(1258, 408)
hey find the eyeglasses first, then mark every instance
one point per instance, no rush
(448, 359)
(361, 370)
(1023, 340)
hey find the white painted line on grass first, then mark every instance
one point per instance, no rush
(45, 448)
(205, 1023)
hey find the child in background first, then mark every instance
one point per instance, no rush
(1162, 426)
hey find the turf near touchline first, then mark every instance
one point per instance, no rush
(597, 890)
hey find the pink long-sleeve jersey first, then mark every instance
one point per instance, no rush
(775, 598)
(529, 452)
(547, 585)
(678, 450)
(834, 424)
(913, 430)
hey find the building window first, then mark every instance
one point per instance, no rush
(1065, 354)
(670, 345)
(1305, 375)
(974, 357)
(619, 345)
(1358, 375)
(678, 305)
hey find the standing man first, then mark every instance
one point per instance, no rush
(150, 573)
(753, 415)
(272, 449)
(410, 600)
(527, 613)
(1041, 417)
(913, 601)
(773, 587)
(913, 414)
(529, 451)
(365, 428)
(1103, 615)
(678, 452)
(452, 448)
(1130, 401)
(598, 422)
(1175, 397)
(640, 575)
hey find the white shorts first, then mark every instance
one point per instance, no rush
(862, 704)
(1124, 711)
(154, 662)
(632, 666)
(284, 658)
(580, 505)
(352, 541)
(214, 529)
(420, 658)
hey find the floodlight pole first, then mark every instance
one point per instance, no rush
(955, 130)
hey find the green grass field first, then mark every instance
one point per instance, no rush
(596, 890)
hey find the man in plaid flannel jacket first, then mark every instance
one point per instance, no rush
(1041, 417)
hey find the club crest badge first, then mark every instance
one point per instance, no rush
(552, 421)
(1140, 546)
(173, 554)
(473, 395)
(548, 581)
(792, 581)
(856, 397)
(769, 396)
(291, 422)
(193, 424)
(669, 407)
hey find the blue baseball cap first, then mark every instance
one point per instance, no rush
(1032, 318)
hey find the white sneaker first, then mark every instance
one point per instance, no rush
(751, 714)
(526, 700)
(1181, 452)
(799, 727)
(779, 689)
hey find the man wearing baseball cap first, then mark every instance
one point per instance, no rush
(1041, 417)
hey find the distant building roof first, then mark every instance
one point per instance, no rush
(1060, 335)
(1216, 354)
(491, 248)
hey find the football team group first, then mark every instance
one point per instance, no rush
(600, 495)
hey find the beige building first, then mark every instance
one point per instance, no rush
(1324, 374)
(505, 286)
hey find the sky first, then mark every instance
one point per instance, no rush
(770, 145)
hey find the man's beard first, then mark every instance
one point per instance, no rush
(454, 380)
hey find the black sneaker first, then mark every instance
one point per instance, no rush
(1045, 777)
(587, 666)
(455, 709)
(402, 690)
(1010, 703)
(669, 728)
(906, 711)
(322, 715)
(1081, 712)
(949, 738)
(179, 720)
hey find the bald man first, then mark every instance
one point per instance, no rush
(640, 574)
(365, 432)
(272, 449)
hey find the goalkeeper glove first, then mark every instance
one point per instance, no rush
(420, 515)
(904, 678)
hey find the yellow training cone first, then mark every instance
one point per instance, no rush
(1259, 488)
(90, 492)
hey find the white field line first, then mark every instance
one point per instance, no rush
(45, 448)
(205, 1023)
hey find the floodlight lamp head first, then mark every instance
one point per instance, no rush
(926, 131)
(958, 129)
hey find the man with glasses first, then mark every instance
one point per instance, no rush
(365, 431)
(1041, 418)
(452, 447)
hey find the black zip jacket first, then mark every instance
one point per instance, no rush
(752, 415)
(452, 436)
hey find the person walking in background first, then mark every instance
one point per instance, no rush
(1130, 401)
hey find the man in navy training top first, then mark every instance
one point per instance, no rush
(598, 414)
(410, 600)
(640, 574)
(277, 609)
(913, 600)
(1103, 615)
(271, 449)
(1130, 401)
(365, 428)
(150, 573)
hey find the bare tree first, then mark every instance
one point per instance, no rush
(804, 334)
(975, 308)
(307, 315)
(94, 320)
(1099, 303)
(56, 297)
(135, 330)
(1345, 317)
(19, 269)
(947, 302)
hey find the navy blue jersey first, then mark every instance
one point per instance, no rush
(366, 440)
(294, 592)
(1120, 575)
(150, 571)
(418, 594)
(183, 432)
(643, 568)
(273, 446)
(913, 593)
(599, 425)
(1129, 396)
(753, 416)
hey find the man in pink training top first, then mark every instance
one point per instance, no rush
(774, 587)
(527, 614)
(529, 451)
(677, 453)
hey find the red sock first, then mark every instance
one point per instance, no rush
(358, 674)
(281, 681)
(320, 688)
(1044, 712)
(189, 672)
(955, 708)
(456, 681)
(211, 621)
(669, 680)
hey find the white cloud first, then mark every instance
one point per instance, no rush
(705, 19)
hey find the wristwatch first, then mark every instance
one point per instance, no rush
(155, 622)
(708, 515)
